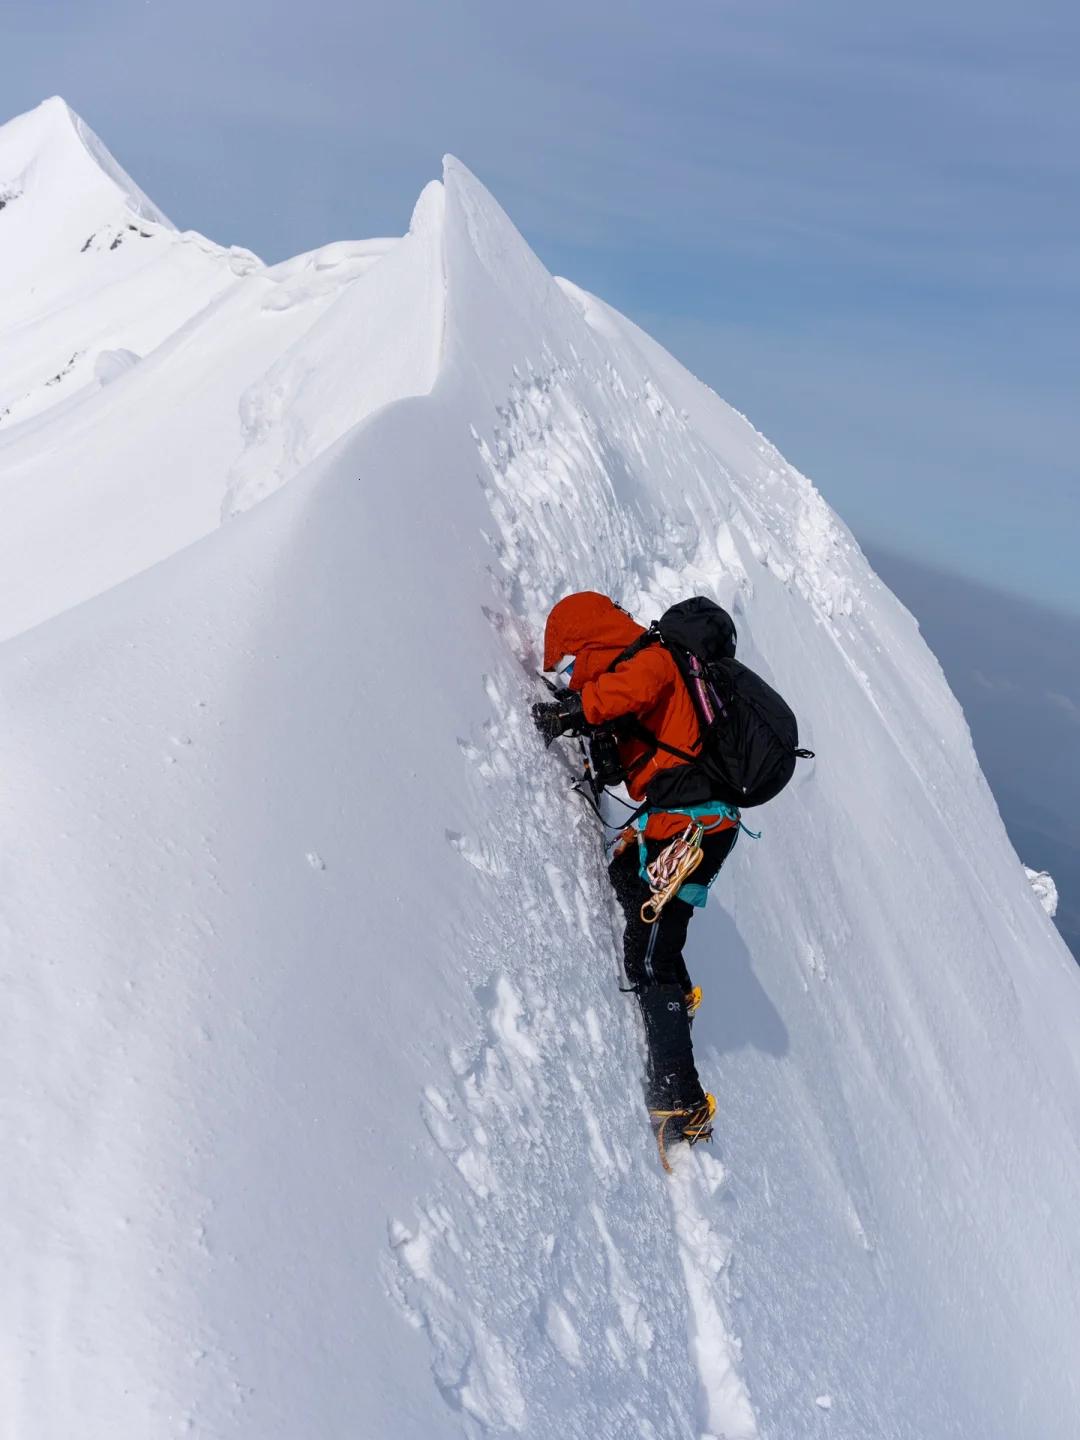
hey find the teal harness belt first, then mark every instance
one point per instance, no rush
(718, 812)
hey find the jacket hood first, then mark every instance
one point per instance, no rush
(590, 627)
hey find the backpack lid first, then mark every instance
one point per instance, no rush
(701, 626)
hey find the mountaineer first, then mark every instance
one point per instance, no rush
(693, 734)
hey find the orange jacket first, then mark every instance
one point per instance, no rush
(595, 631)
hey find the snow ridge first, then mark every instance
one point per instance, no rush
(137, 201)
(249, 372)
(328, 1099)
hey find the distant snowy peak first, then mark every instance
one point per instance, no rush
(51, 144)
(153, 383)
(88, 263)
(71, 218)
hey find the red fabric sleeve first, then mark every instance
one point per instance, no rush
(636, 686)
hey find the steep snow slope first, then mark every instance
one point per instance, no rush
(326, 1115)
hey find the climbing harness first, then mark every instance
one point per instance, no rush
(707, 819)
(675, 863)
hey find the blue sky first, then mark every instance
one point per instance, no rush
(858, 222)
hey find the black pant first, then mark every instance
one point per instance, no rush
(655, 968)
(653, 954)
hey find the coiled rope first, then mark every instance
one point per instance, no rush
(671, 868)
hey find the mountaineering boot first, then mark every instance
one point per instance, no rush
(695, 1126)
(673, 1082)
(690, 1126)
(693, 1002)
(679, 1108)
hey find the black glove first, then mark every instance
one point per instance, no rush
(559, 717)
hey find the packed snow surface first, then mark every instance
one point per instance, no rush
(1042, 882)
(322, 1106)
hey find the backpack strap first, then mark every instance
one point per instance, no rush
(642, 732)
(650, 637)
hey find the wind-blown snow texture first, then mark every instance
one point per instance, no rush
(322, 1104)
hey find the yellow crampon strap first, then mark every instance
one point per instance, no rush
(671, 868)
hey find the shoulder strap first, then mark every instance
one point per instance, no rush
(650, 637)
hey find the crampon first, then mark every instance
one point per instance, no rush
(691, 1126)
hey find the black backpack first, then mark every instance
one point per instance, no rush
(749, 736)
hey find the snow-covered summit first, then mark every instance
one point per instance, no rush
(61, 190)
(110, 317)
(325, 1100)
(87, 262)
(51, 145)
